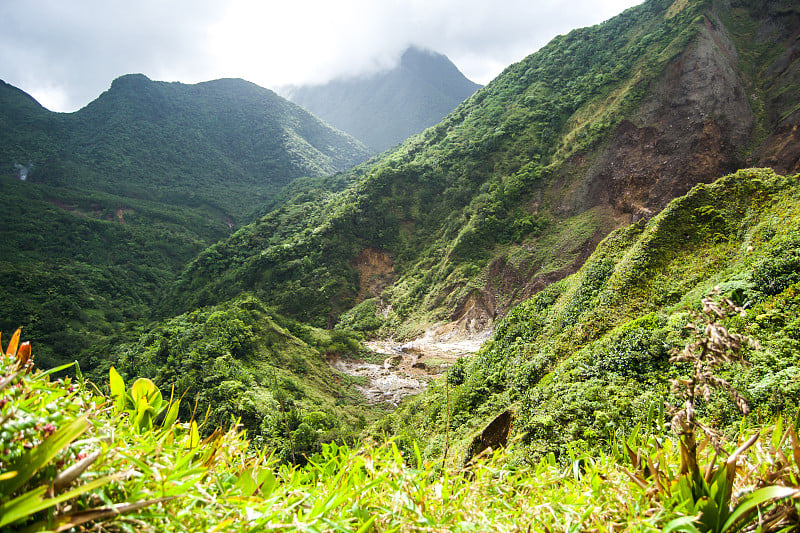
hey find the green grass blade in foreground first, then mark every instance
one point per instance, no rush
(32, 502)
(39, 456)
(750, 503)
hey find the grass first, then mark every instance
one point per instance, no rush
(222, 483)
(122, 462)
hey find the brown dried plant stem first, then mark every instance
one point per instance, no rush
(713, 346)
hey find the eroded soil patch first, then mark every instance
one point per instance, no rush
(407, 368)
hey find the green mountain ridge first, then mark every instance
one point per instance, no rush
(121, 194)
(514, 189)
(176, 143)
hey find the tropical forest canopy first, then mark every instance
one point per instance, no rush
(618, 212)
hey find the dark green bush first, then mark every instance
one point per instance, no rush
(774, 274)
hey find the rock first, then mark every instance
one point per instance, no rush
(495, 434)
(392, 362)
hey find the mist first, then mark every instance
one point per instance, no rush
(66, 53)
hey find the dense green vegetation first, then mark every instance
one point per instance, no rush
(499, 179)
(226, 145)
(120, 195)
(588, 357)
(237, 362)
(75, 457)
(77, 267)
(386, 108)
(648, 375)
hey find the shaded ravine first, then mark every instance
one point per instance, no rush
(406, 368)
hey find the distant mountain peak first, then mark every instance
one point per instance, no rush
(415, 53)
(386, 107)
(130, 80)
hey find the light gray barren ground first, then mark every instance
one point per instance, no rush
(407, 368)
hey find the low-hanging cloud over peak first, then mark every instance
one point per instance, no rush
(66, 53)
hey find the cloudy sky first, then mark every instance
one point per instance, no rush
(66, 52)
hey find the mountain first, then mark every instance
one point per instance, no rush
(118, 196)
(226, 144)
(588, 357)
(387, 107)
(515, 188)
(596, 208)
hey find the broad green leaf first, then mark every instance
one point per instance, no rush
(117, 386)
(245, 482)
(23, 505)
(144, 388)
(267, 482)
(751, 502)
(711, 515)
(32, 501)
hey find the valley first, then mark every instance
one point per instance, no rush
(571, 304)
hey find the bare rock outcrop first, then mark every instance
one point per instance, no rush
(689, 130)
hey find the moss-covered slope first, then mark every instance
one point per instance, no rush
(515, 188)
(588, 356)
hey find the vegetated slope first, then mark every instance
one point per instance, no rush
(514, 189)
(119, 196)
(95, 460)
(240, 363)
(225, 144)
(76, 266)
(388, 107)
(587, 358)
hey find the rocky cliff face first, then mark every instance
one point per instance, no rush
(728, 101)
(690, 129)
(781, 148)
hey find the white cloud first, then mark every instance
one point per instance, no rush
(67, 53)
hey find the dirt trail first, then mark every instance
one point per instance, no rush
(407, 368)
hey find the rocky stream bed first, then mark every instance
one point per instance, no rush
(406, 368)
